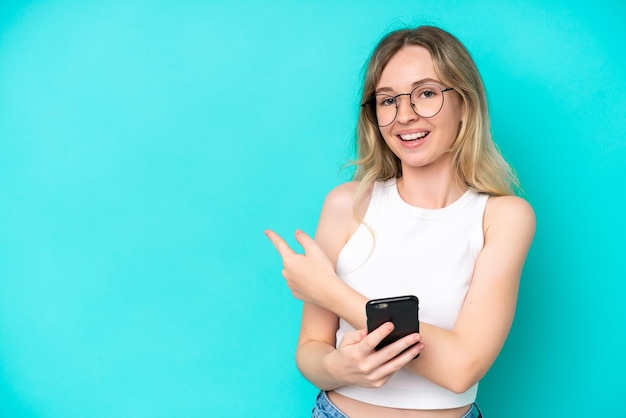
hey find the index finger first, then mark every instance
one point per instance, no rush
(281, 246)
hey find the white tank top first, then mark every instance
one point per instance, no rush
(406, 250)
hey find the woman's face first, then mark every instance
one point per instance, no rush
(415, 140)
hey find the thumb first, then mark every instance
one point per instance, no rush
(353, 337)
(308, 244)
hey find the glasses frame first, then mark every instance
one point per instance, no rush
(372, 102)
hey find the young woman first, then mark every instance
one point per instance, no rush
(431, 213)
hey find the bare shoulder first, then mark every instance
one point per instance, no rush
(342, 195)
(341, 200)
(511, 214)
(339, 218)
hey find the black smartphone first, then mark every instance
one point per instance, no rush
(401, 310)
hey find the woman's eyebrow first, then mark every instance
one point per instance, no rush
(413, 85)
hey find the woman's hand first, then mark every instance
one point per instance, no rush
(308, 275)
(355, 362)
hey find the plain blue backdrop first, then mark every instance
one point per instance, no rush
(146, 145)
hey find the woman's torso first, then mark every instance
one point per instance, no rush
(447, 296)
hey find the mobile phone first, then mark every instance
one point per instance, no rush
(402, 311)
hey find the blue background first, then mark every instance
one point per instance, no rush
(146, 145)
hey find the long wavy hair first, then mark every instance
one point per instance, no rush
(476, 159)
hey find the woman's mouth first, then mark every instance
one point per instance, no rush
(414, 136)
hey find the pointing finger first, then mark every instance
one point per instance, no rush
(281, 246)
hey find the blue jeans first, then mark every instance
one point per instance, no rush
(324, 408)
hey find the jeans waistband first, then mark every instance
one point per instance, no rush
(324, 408)
(474, 412)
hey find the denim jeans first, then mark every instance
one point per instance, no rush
(324, 408)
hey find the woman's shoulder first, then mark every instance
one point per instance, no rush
(339, 218)
(503, 205)
(348, 197)
(343, 192)
(508, 211)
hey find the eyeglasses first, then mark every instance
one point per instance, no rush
(426, 102)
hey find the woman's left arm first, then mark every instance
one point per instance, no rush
(456, 359)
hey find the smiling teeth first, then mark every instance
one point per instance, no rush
(412, 137)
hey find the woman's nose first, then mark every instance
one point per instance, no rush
(405, 110)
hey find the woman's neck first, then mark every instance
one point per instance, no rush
(430, 189)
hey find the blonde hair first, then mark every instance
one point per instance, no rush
(476, 159)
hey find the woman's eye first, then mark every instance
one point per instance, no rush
(425, 92)
(386, 101)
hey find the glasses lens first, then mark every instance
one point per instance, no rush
(385, 109)
(427, 100)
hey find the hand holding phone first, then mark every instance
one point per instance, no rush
(402, 311)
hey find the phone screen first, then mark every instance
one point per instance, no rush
(402, 311)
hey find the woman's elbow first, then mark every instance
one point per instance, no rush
(461, 384)
(463, 377)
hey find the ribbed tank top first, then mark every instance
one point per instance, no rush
(401, 249)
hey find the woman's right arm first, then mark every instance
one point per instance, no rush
(355, 361)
